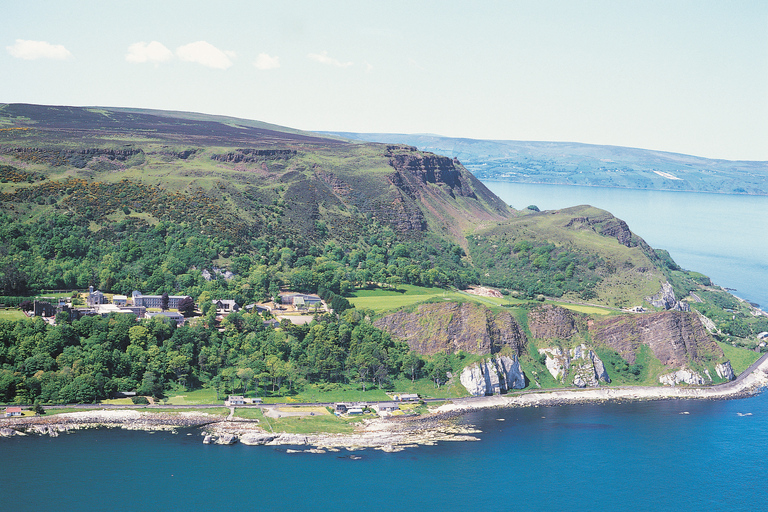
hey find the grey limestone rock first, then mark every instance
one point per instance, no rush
(493, 376)
(666, 299)
(585, 366)
(725, 371)
(226, 439)
(682, 376)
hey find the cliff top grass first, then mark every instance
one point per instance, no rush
(386, 299)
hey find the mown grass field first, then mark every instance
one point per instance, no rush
(384, 299)
(196, 397)
(12, 314)
(589, 310)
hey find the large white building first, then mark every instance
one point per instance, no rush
(155, 301)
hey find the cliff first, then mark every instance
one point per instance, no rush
(493, 376)
(451, 327)
(674, 337)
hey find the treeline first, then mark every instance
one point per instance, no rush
(56, 251)
(91, 358)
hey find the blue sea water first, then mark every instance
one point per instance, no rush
(721, 235)
(664, 455)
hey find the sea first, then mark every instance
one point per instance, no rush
(665, 455)
(680, 455)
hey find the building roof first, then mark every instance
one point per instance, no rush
(13, 409)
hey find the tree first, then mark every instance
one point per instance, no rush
(187, 306)
(164, 301)
(274, 291)
(438, 368)
(245, 375)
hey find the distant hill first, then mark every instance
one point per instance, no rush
(570, 163)
(235, 193)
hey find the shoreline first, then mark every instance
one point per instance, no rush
(387, 434)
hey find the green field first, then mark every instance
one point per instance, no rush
(12, 314)
(196, 397)
(589, 310)
(383, 299)
(323, 423)
(740, 358)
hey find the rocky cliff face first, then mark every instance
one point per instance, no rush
(666, 299)
(549, 322)
(674, 337)
(451, 327)
(725, 371)
(447, 196)
(682, 376)
(493, 376)
(579, 363)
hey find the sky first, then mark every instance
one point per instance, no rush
(682, 76)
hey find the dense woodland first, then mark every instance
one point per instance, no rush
(91, 358)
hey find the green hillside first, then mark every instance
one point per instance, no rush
(221, 208)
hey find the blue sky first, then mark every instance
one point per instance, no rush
(682, 76)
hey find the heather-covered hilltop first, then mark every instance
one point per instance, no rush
(312, 265)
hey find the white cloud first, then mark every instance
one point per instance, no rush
(30, 50)
(206, 54)
(323, 58)
(148, 52)
(264, 61)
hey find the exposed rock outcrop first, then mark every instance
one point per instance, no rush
(582, 363)
(666, 299)
(682, 376)
(548, 322)
(493, 376)
(451, 327)
(725, 371)
(674, 337)
(254, 155)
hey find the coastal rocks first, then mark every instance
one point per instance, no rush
(226, 439)
(8, 432)
(586, 368)
(666, 299)
(493, 376)
(265, 438)
(682, 376)
(725, 371)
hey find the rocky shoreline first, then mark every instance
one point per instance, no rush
(387, 434)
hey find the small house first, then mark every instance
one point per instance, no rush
(355, 411)
(389, 407)
(12, 411)
(234, 400)
(226, 305)
(120, 300)
(406, 397)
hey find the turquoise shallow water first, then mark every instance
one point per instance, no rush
(667, 455)
(720, 235)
